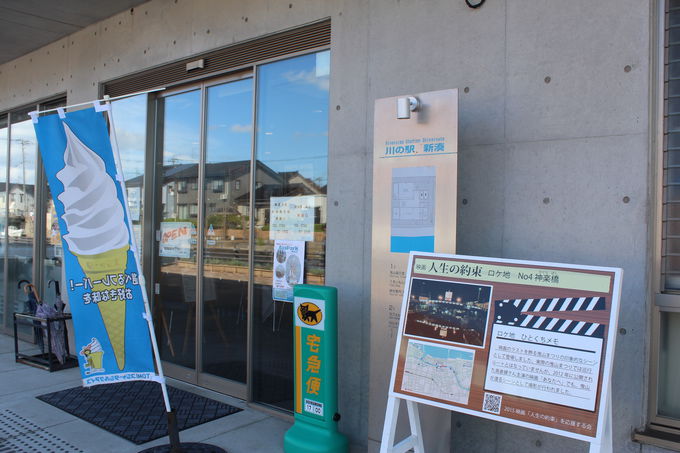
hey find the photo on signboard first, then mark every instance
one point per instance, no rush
(448, 311)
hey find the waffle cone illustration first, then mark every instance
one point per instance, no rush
(103, 266)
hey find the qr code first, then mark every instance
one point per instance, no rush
(492, 403)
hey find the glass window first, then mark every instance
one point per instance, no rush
(129, 119)
(671, 161)
(292, 154)
(669, 366)
(3, 216)
(51, 253)
(667, 343)
(21, 204)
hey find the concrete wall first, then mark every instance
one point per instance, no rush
(553, 136)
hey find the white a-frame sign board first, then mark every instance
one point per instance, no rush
(521, 342)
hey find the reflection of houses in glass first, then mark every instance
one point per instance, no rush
(227, 192)
(21, 199)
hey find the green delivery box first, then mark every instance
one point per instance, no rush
(316, 373)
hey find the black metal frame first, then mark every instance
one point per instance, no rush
(45, 360)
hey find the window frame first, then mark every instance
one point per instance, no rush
(664, 300)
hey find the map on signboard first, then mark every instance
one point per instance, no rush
(413, 201)
(441, 372)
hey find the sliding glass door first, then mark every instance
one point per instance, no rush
(226, 229)
(203, 232)
(227, 151)
(175, 304)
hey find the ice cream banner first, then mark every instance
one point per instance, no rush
(103, 284)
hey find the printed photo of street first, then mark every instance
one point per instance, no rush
(448, 311)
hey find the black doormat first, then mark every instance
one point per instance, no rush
(135, 410)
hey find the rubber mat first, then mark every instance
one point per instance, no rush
(135, 410)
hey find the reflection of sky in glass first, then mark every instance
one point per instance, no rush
(292, 122)
(229, 121)
(3, 154)
(22, 153)
(182, 128)
(129, 119)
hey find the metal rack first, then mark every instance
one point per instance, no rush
(45, 360)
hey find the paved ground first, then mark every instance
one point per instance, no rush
(29, 425)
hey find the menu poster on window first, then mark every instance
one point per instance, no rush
(292, 218)
(289, 268)
(176, 239)
(522, 342)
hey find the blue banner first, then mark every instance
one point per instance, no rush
(101, 277)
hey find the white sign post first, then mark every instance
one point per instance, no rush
(415, 167)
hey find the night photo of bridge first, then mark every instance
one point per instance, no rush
(448, 311)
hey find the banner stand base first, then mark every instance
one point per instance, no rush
(176, 447)
(173, 432)
(414, 440)
(191, 447)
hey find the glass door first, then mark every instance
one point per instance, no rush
(226, 230)
(203, 234)
(227, 152)
(179, 136)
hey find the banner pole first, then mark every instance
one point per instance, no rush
(173, 432)
(106, 98)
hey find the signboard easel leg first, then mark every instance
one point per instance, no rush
(606, 444)
(414, 440)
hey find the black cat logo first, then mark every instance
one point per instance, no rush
(310, 314)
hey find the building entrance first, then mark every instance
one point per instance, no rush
(225, 152)
(203, 207)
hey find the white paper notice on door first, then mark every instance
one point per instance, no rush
(292, 218)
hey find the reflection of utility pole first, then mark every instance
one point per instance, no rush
(23, 174)
(23, 142)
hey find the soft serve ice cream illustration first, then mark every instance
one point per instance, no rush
(97, 233)
(93, 354)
